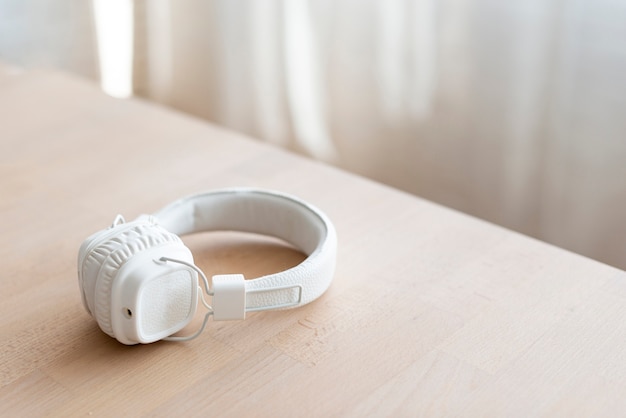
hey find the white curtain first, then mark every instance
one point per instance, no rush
(512, 111)
(48, 33)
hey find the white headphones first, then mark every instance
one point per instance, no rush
(139, 281)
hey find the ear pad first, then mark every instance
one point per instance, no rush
(103, 254)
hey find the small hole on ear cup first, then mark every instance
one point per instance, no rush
(128, 313)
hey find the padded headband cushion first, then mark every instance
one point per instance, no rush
(103, 262)
(268, 213)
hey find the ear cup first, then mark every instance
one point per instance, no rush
(102, 263)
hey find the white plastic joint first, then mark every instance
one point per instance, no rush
(229, 297)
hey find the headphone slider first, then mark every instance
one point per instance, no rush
(229, 297)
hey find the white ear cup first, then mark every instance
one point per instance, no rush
(104, 254)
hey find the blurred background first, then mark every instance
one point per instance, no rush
(512, 111)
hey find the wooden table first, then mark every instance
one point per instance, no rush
(431, 312)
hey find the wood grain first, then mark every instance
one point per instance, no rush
(431, 313)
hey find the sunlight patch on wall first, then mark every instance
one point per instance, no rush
(114, 34)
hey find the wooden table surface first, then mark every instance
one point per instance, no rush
(431, 312)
